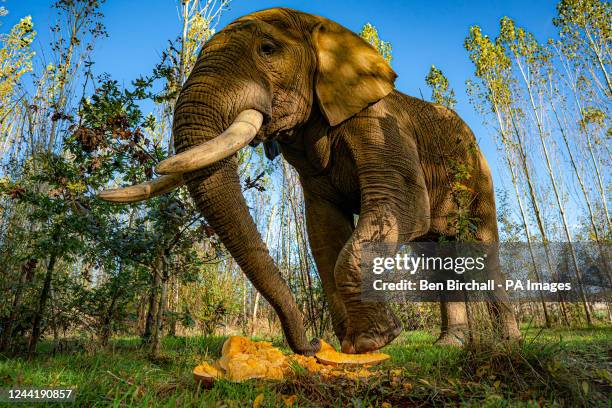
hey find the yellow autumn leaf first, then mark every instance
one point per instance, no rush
(289, 400)
(258, 401)
(76, 187)
(385, 405)
(482, 370)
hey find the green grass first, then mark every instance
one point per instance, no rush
(551, 367)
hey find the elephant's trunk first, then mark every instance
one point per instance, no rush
(218, 195)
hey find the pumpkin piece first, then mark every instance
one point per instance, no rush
(325, 346)
(244, 367)
(206, 374)
(243, 359)
(328, 355)
(310, 364)
(232, 346)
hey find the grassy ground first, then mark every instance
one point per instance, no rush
(552, 367)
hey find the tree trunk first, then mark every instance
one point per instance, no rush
(153, 302)
(42, 304)
(162, 275)
(507, 143)
(175, 307)
(142, 315)
(107, 322)
(560, 205)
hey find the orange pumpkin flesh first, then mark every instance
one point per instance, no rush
(206, 374)
(243, 359)
(329, 356)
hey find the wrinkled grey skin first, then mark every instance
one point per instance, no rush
(359, 146)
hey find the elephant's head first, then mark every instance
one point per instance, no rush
(262, 76)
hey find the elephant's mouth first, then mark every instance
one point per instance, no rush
(245, 129)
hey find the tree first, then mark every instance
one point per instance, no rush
(370, 34)
(15, 61)
(585, 26)
(440, 92)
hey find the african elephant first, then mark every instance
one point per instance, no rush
(319, 94)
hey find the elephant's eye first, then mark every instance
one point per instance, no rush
(267, 48)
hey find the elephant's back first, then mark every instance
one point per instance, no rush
(448, 154)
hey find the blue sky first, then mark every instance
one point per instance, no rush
(421, 33)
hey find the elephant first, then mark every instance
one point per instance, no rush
(322, 97)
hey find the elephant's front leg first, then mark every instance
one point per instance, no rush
(329, 228)
(400, 217)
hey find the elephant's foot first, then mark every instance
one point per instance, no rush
(340, 329)
(311, 349)
(339, 317)
(383, 329)
(457, 337)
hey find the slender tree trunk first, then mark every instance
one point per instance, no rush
(153, 302)
(506, 142)
(42, 304)
(572, 83)
(575, 168)
(560, 205)
(107, 322)
(255, 310)
(602, 66)
(529, 239)
(161, 305)
(142, 315)
(175, 308)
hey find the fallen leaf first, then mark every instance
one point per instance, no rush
(258, 401)
(289, 400)
(482, 370)
(585, 387)
(385, 405)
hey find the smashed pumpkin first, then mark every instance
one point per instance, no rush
(207, 374)
(243, 359)
(329, 356)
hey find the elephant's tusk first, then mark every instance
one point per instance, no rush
(143, 191)
(239, 134)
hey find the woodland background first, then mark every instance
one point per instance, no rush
(74, 267)
(120, 302)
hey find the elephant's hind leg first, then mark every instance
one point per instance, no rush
(454, 330)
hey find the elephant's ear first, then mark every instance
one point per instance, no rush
(351, 74)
